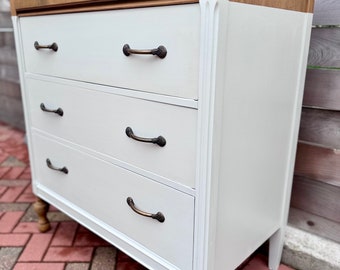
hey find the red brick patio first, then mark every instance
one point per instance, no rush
(68, 245)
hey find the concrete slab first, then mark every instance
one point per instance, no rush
(305, 251)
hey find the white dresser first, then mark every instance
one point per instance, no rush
(169, 128)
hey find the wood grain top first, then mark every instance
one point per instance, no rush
(37, 7)
(296, 5)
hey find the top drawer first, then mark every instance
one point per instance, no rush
(90, 48)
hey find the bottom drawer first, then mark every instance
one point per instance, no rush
(102, 189)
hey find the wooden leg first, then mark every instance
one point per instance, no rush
(275, 249)
(41, 208)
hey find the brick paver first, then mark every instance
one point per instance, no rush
(39, 266)
(9, 220)
(26, 174)
(124, 262)
(26, 197)
(26, 227)
(2, 190)
(260, 263)
(3, 157)
(13, 239)
(3, 170)
(36, 247)
(69, 254)
(68, 245)
(65, 234)
(88, 239)
(13, 173)
(12, 193)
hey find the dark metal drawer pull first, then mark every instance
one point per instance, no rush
(49, 164)
(160, 140)
(58, 111)
(159, 216)
(160, 51)
(53, 46)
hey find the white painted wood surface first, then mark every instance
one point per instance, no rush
(98, 120)
(261, 109)
(90, 48)
(248, 76)
(101, 189)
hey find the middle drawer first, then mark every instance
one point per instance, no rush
(99, 121)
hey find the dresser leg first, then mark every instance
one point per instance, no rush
(41, 208)
(275, 249)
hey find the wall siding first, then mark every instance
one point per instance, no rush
(322, 89)
(326, 12)
(315, 204)
(11, 111)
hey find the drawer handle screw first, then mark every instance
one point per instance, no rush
(160, 140)
(160, 51)
(58, 111)
(49, 164)
(53, 46)
(159, 216)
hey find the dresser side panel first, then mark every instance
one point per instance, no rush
(261, 101)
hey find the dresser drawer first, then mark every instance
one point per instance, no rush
(99, 120)
(101, 189)
(90, 48)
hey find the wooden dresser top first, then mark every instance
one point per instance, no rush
(37, 7)
(296, 5)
